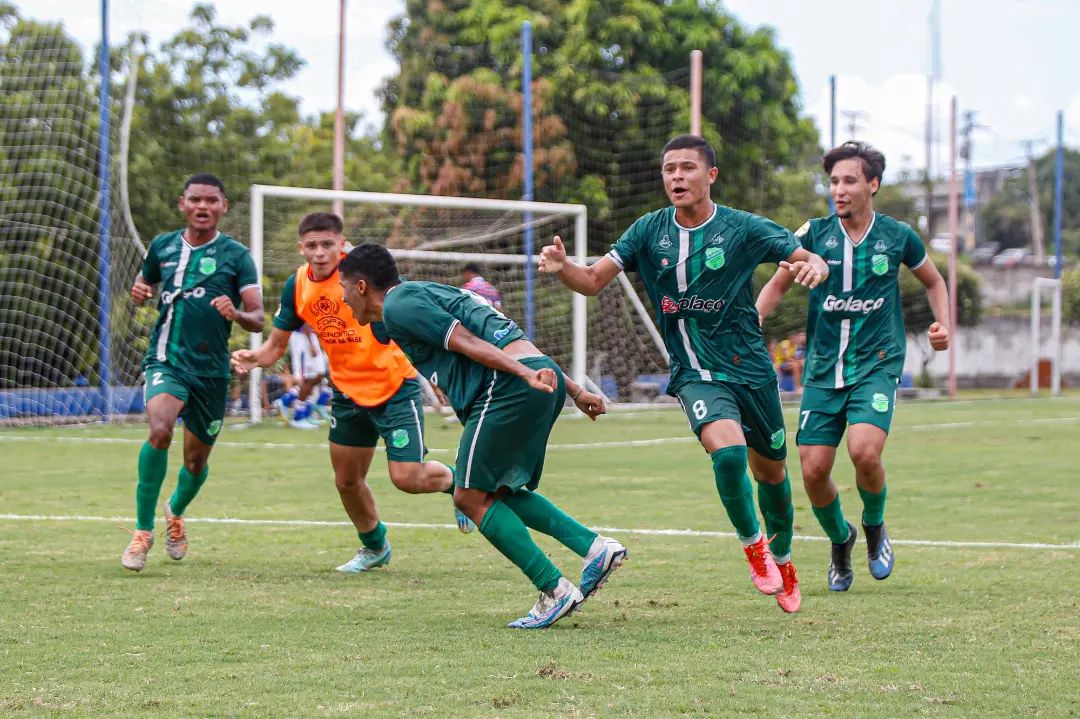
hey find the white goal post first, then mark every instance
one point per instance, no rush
(1054, 286)
(486, 231)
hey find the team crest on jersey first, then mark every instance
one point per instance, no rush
(831, 242)
(325, 306)
(665, 242)
(879, 264)
(880, 402)
(207, 265)
(714, 258)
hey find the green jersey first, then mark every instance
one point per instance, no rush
(420, 316)
(855, 322)
(190, 334)
(700, 282)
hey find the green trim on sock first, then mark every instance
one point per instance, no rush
(187, 486)
(729, 470)
(831, 519)
(873, 512)
(779, 513)
(453, 480)
(538, 512)
(153, 463)
(507, 533)
(374, 540)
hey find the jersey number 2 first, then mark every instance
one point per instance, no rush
(157, 379)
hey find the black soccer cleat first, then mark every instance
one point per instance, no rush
(840, 574)
(879, 551)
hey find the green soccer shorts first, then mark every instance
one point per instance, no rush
(204, 398)
(825, 413)
(757, 409)
(399, 421)
(506, 431)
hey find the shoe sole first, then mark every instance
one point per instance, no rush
(573, 608)
(617, 560)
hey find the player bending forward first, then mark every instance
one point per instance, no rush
(508, 396)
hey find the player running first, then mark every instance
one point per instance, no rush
(508, 396)
(376, 390)
(204, 275)
(697, 260)
(855, 349)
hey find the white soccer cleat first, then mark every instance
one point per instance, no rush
(552, 606)
(604, 557)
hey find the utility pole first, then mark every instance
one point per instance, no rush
(853, 117)
(967, 152)
(1037, 244)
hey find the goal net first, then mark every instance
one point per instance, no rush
(607, 342)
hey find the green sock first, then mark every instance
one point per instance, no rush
(152, 465)
(453, 478)
(537, 512)
(873, 512)
(779, 513)
(374, 540)
(508, 534)
(831, 519)
(187, 486)
(729, 467)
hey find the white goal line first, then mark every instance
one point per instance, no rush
(605, 530)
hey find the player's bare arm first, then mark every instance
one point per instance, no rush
(587, 280)
(251, 317)
(243, 361)
(773, 291)
(589, 403)
(466, 343)
(142, 290)
(938, 294)
(807, 268)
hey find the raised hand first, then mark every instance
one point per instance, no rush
(553, 257)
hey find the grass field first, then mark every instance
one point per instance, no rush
(256, 623)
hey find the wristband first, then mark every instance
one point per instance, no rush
(573, 397)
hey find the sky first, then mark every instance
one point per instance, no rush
(1014, 62)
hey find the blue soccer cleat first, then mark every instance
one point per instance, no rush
(366, 559)
(604, 557)
(879, 551)
(552, 606)
(840, 573)
(464, 524)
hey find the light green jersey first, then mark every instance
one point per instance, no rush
(700, 281)
(855, 322)
(190, 334)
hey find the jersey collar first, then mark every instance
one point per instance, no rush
(865, 234)
(695, 227)
(183, 238)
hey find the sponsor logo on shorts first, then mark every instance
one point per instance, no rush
(833, 303)
(399, 438)
(207, 265)
(214, 427)
(879, 264)
(714, 258)
(776, 440)
(880, 403)
(693, 303)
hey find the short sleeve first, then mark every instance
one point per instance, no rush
(624, 252)
(151, 269)
(914, 251)
(805, 237)
(410, 314)
(773, 242)
(248, 276)
(286, 318)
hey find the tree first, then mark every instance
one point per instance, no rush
(1070, 296)
(1006, 217)
(917, 313)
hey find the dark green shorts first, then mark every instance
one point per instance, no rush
(204, 398)
(757, 410)
(506, 432)
(399, 421)
(825, 413)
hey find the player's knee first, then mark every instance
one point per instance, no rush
(195, 465)
(865, 457)
(161, 434)
(407, 476)
(471, 502)
(347, 481)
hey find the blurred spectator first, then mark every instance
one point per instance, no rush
(474, 282)
(788, 356)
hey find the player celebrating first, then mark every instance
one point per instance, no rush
(508, 395)
(697, 260)
(855, 349)
(376, 390)
(204, 274)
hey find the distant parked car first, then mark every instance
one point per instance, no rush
(941, 243)
(984, 254)
(1012, 257)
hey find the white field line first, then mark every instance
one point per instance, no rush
(605, 530)
(553, 447)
